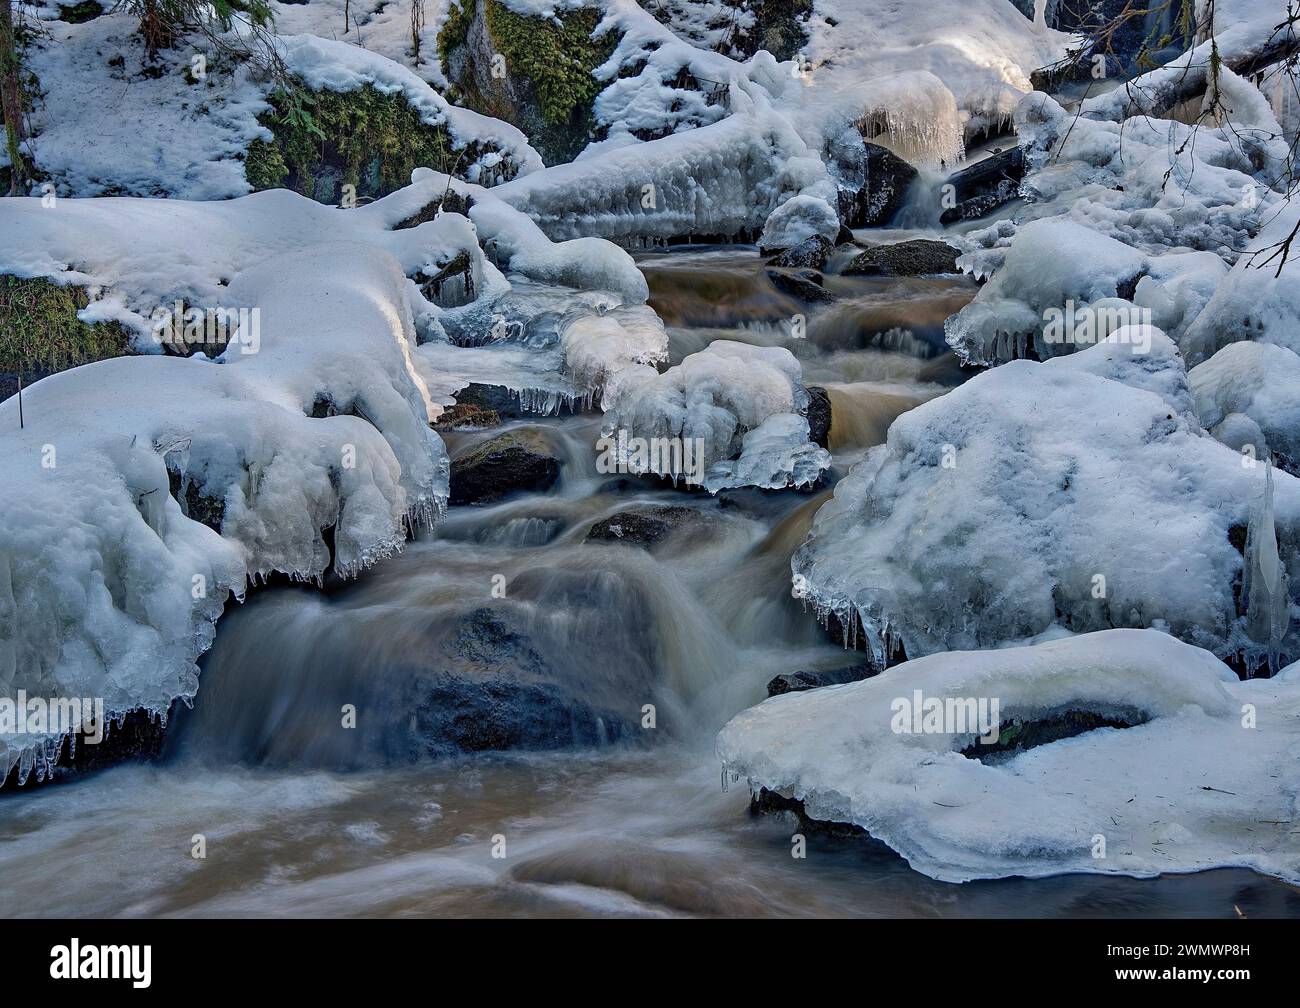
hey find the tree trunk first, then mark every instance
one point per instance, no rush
(11, 96)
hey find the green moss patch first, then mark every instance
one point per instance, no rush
(322, 141)
(40, 332)
(547, 89)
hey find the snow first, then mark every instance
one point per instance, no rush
(743, 405)
(1198, 785)
(1138, 199)
(1076, 492)
(1256, 382)
(140, 129)
(107, 588)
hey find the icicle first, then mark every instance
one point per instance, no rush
(1264, 584)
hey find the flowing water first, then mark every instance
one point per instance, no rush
(300, 815)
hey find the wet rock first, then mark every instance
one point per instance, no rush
(512, 462)
(467, 416)
(918, 257)
(642, 526)
(887, 178)
(819, 416)
(797, 682)
(986, 185)
(811, 253)
(491, 689)
(802, 284)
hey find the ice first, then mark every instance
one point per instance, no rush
(1075, 493)
(774, 455)
(1204, 779)
(1257, 382)
(743, 405)
(1146, 200)
(1264, 583)
(108, 588)
(722, 180)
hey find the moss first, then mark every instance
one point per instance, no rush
(78, 13)
(549, 89)
(40, 332)
(455, 30)
(556, 56)
(324, 140)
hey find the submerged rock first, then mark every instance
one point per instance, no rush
(642, 526)
(517, 460)
(491, 689)
(804, 284)
(917, 257)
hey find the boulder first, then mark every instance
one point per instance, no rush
(811, 253)
(917, 257)
(641, 526)
(511, 462)
(804, 284)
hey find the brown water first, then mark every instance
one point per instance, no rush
(300, 818)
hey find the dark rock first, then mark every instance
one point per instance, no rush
(773, 803)
(984, 186)
(493, 690)
(910, 258)
(641, 526)
(137, 738)
(797, 682)
(819, 416)
(883, 191)
(515, 461)
(811, 253)
(804, 284)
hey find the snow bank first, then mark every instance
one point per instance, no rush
(1076, 493)
(326, 65)
(314, 419)
(1205, 780)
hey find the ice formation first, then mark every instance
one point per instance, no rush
(1080, 492)
(1146, 203)
(1203, 777)
(742, 405)
(141, 491)
(1251, 388)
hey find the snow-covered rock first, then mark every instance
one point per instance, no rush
(1204, 777)
(740, 409)
(313, 419)
(1252, 387)
(1152, 200)
(1080, 492)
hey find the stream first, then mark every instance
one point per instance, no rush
(300, 815)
